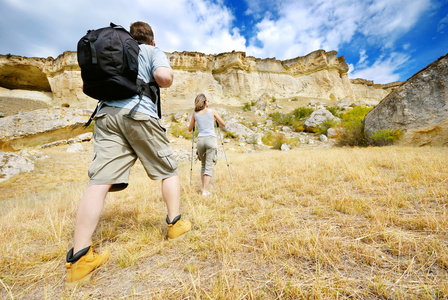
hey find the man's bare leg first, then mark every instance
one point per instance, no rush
(171, 195)
(88, 215)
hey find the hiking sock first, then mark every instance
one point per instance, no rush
(174, 221)
(74, 258)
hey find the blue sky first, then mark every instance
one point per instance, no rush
(381, 40)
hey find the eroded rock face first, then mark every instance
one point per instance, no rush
(23, 73)
(227, 78)
(41, 126)
(419, 108)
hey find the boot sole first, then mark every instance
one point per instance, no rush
(85, 279)
(80, 282)
(180, 237)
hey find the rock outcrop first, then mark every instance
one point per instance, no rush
(41, 126)
(13, 164)
(228, 78)
(419, 108)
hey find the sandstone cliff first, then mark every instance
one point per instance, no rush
(228, 78)
(419, 108)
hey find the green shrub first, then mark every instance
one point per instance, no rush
(252, 140)
(230, 135)
(356, 114)
(335, 112)
(279, 140)
(292, 119)
(246, 106)
(325, 125)
(179, 130)
(302, 112)
(268, 138)
(298, 126)
(279, 118)
(352, 127)
(274, 139)
(384, 137)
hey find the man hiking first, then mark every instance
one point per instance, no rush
(120, 138)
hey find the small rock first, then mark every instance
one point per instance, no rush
(285, 147)
(85, 137)
(75, 148)
(331, 132)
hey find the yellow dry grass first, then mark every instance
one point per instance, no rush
(337, 223)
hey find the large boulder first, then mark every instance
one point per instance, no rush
(318, 117)
(418, 108)
(235, 127)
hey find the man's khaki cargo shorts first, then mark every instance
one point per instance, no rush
(119, 140)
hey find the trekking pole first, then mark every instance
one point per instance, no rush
(192, 147)
(224, 150)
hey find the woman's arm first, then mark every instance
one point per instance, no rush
(190, 128)
(218, 118)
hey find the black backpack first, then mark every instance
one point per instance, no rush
(108, 58)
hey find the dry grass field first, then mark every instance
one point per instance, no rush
(334, 223)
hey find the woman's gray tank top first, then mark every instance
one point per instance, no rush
(206, 123)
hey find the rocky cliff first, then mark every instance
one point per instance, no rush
(419, 108)
(228, 78)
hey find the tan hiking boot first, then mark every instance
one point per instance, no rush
(177, 227)
(80, 266)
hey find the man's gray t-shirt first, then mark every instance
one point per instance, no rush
(149, 59)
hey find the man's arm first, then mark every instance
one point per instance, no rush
(164, 76)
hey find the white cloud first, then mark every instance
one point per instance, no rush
(442, 24)
(191, 25)
(383, 70)
(309, 25)
(283, 29)
(362, 58)
(385, 20)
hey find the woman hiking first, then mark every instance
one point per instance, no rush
(207, 146)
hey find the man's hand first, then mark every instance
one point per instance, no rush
(164, 76)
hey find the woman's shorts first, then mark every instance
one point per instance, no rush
(207, 152)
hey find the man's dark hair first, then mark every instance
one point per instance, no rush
(142, 32)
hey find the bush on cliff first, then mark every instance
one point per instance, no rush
(352, 130)
(352, 127)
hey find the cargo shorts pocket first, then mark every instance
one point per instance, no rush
(167, 158)
(100, 120)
